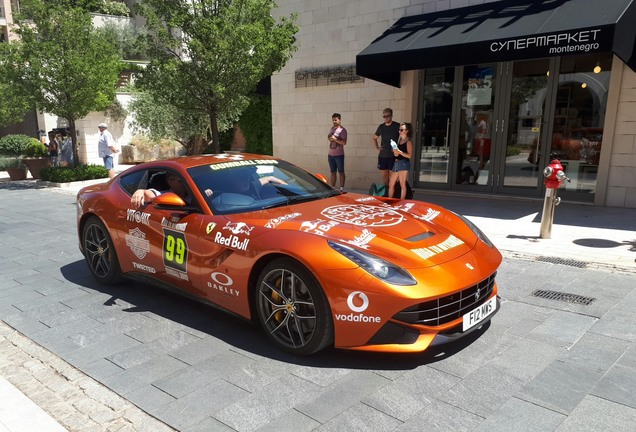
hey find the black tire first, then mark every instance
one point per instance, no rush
(100, 253)
(292, 308)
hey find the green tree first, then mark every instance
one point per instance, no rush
(128, 39)
(68, 67)
(14, 103)
(209, 55)
(256, 124)
(158, 119)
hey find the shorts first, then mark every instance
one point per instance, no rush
(385, 163)
(108, 162)
(402, 165)
(336, 163)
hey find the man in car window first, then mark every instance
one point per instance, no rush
(145, 196)
(245, 181)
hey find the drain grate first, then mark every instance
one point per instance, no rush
(562, 261)
(561, 296)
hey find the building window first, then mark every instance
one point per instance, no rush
(579, 114)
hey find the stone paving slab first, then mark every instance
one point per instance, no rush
(595, 414)
(560, 387)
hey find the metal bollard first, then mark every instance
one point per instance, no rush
(547, 217)
(554, 177)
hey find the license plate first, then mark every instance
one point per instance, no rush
(480, 313)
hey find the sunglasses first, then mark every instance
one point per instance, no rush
(387, 116)
(402, 130)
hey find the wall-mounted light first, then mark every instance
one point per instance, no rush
(597, 68)
(547, 73)
(583, 85)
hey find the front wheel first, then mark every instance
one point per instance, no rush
(292, 308)
(100, 253)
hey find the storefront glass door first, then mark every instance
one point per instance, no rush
(579, 116)
(473, 166)
(523, 130)
(435, 126)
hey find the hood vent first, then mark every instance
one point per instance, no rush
(420, 237)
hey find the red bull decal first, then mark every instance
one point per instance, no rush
(238, 228)
(318, 226)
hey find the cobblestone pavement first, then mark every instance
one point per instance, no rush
(75, 400)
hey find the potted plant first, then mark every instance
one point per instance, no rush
(36, 157)
(16, 169)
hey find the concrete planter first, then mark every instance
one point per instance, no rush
(131, 154)
(17, 173)
(35, 165)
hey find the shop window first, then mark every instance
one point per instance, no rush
(579, 114)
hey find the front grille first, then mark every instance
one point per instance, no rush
(446, 309)
(392, 333)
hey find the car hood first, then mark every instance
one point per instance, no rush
(412, 233)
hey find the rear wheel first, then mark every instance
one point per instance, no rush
(100, 253)
(292, 308)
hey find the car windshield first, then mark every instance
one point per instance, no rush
(250, 185)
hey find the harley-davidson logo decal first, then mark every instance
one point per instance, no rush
(136, 241)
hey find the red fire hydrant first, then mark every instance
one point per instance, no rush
(554, 177)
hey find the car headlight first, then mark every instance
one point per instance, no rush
(479, 233)
(378, 267)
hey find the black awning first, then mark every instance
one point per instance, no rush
(501, 31)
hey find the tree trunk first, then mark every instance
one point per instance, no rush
(198, 144)
(214, 128)
(71, 123)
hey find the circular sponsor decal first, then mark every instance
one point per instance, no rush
(221, 279)
(357, 297)
(363, 215)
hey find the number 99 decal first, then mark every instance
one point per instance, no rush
(175, 250)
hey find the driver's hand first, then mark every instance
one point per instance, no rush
(137, 198)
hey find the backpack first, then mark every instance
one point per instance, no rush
(378, 190)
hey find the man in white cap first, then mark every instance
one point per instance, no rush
(106, 148)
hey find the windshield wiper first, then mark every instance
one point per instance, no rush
(295, 199)
(301, 198)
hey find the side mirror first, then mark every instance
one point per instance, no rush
(168, 200)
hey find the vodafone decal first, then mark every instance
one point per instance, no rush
(358, 295)
(358, 302)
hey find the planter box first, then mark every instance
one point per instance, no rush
(133, 154)
(17, 173)
(36, 164)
